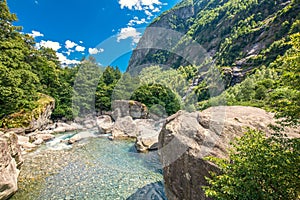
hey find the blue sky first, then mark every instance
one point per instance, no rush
(106, 29)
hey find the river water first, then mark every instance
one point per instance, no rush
(95, 168)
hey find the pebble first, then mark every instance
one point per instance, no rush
(101, 169)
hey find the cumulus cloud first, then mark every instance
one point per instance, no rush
(136, 20)
(79, 48)
(94, 51)
(129, 32)
(148, 13)
(69, 44)
(156, 10)
(65, 61)
(48, 44)
(149, 7)
(35, 34)
(138, 4)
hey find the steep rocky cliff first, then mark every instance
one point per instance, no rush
(239, 35)
(186, 138)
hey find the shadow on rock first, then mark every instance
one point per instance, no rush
(150, 191)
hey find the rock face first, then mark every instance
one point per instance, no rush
(153, 40)
(27, 122)
(43, 116)
(188, 137)
(10, 163)
(134, 109)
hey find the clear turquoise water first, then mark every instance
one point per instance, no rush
(96, 168)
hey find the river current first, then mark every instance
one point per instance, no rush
(95, 168)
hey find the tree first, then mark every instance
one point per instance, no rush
(155, 94)
(85, 85)
(18, 84)
(105, 88)
(261, 167)
(258, 168)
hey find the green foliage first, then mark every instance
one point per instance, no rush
(86, 82)
(18, 84)
(125, 87)
(23, 118)
(105, 88)
(234, 32)
(156, 94)
(274, 88)
(259, 167)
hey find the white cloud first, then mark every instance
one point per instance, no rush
(69, 51)
(138, 4)
(129, 32)
(35, 34)
(81, 42)
(95, 51)
(136, 20)
(156, 10)
(148, 13)
(48, 44)
(65, 61)
(79, 48)
(69, 44)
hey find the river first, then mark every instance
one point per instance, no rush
(95, 168)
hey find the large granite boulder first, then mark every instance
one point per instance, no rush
(104, 124)
(148, 132)
(188, 137)
(134, 109)
(145, 131)
(124, 127)
(10, 163)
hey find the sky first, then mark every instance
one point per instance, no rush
(106, 29)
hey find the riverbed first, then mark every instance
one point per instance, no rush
(95, 168)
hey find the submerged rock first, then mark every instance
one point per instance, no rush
(150, 191)
(186, 138)
(10, 164)
(80, 136)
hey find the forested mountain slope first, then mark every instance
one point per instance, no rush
(238, 34)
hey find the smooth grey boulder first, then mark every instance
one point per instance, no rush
(186, 138)
(104, 124)
(124, 127)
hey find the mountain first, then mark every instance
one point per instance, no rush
(239, 35)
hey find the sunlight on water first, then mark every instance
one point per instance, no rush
(95, 169)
